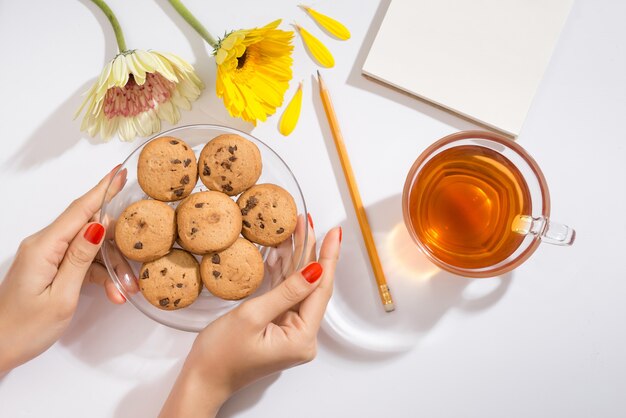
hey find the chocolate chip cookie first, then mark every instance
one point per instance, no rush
(167, 169)
(146, 230)
(229, 163)
(233, 273)
(172, 281)
(269, 214)
(208, 221)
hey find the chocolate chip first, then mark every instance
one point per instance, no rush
(259, 216)
(227, 187)
(206, 171)
(220, 149)
(185, 179)
(250, 204)
(185, 147)
(223, 178)
(176, 161)
(145, 274)
(179, 192)
(138, 245)
(194, 230)
(176, 302)
(232, 149)
(273, 220)
(164, 301)
(164, 272)
(280, 230)
(173, 142)
(216, 274)
(226, 165)
(199, 205)
(215, 259)
(187, 162)
(262, 225)
(179, 285)
(246, 224)
(142, 224)
(233, 158)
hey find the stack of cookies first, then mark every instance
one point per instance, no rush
(207, 224)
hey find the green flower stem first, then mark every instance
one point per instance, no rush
(119, 35)
(195, 23)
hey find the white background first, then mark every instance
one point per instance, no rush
(546, 341)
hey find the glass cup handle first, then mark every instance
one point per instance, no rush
(545, 229)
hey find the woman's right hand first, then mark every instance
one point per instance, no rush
(263, 335)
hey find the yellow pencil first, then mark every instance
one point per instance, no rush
(383, 289)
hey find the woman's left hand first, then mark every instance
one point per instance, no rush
(40, 292)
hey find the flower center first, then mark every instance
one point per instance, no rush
(133, 99)
(242, 59)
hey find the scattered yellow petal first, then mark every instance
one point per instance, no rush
(291, 114)
(332, 26)
(318, 50)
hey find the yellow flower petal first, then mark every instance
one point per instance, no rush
(318, 50)
(291, 114)
(332, 26)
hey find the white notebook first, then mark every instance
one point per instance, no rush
(483, 59)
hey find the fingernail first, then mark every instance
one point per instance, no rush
(94, 233)
(308, 215)
(312, 272)
(115, 168)
(340, 234)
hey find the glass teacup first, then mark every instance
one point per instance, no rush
(478, 205)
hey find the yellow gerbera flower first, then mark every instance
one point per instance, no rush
(135, 91)
(254, 70)
(253, 66)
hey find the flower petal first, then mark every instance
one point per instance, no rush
(318, 50)
(291, 114)
(330, 25)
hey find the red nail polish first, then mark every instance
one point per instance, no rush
(312, 272)
(340, 234)
(308, 215)
(94, 233)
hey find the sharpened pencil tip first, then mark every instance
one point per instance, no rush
(318, 74)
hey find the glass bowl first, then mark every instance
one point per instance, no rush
(279, 261)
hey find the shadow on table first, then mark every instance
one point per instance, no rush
(59, 132)
(208, 103)
(247, 397)
(355, 324)
(101, 331)
(357, 79)
(146, 400)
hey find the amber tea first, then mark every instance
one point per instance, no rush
(463, 203)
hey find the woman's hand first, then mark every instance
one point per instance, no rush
(263, 335)
(40, 292)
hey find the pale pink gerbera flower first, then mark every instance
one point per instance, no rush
(136, 90)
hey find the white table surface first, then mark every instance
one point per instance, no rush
(546, 341)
